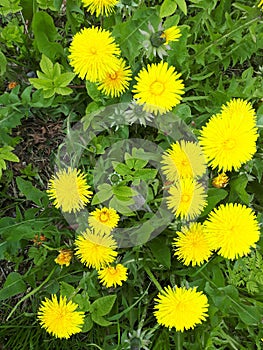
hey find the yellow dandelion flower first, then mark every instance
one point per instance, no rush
(233, 229)
(186, 199)
(114, 84)
(69, 190)
(229, 139)
(95, 250)
(192, 245)
(103, 220)
(112, 276)
(244, 109)
(93, 54)
(64, 257)
(100, 7)
(60, 318)
(181, 308)
(220, 181)
(171, 34)
(158, 88)
(183, 159)
(260, 3)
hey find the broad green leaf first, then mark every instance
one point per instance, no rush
(64, 79)
(161, 251)
(9, 6)
(88, 324)
(5, 153)
(63, 91)
(38, 255)
(238, 189)
(214, 196)
(13, 285)
(121, 168)
(47, 66)
(103, 305)
(250, 315)
(26, 95)
(45, 33)
(3, 63)
(66, 289)
(102, 195)
(82, 300)
(41, 83)
(31, 193)
(145, 174)
(182, 5)
(100, 320)
(168, 8)
(123, 191)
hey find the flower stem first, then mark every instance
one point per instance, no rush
(179, 341)
(152, 278)
(31, 293)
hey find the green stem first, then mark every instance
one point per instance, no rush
(179, 341)
(31, 293)
(152, 278)
(247, 24)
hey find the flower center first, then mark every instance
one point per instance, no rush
(184, 162)
(185, 198)
(104, 217)
(112, 271)
(93, 50)
(113, 76)
(229, 144)
(157, 88)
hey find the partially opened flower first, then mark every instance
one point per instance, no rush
(220, 181)
(186, 199)
(64, 257)
(115, 83)
(59, 317)
(95, 250)
(229, 139)
(158, 88)
(93, 54)
(103, 220)
(233, 229)
(181, 308)
(192, 245)
(100, 7)
(171, 34)
(112, 276)
(183, 159)
(69, 190)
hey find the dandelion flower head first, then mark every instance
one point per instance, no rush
(95, 250)
(229, 139)
(93, 54)
(112, 276)
(183, 159)
(103, 220)
(60, 317)
(260, 3)
(69, 190)
(192, 245)
(181, 308)
(100, 7)
(233, 229)
(186, 199)
(171, 34)
(115, 83)
(64, 257)
(158, 88)
(220, 181)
